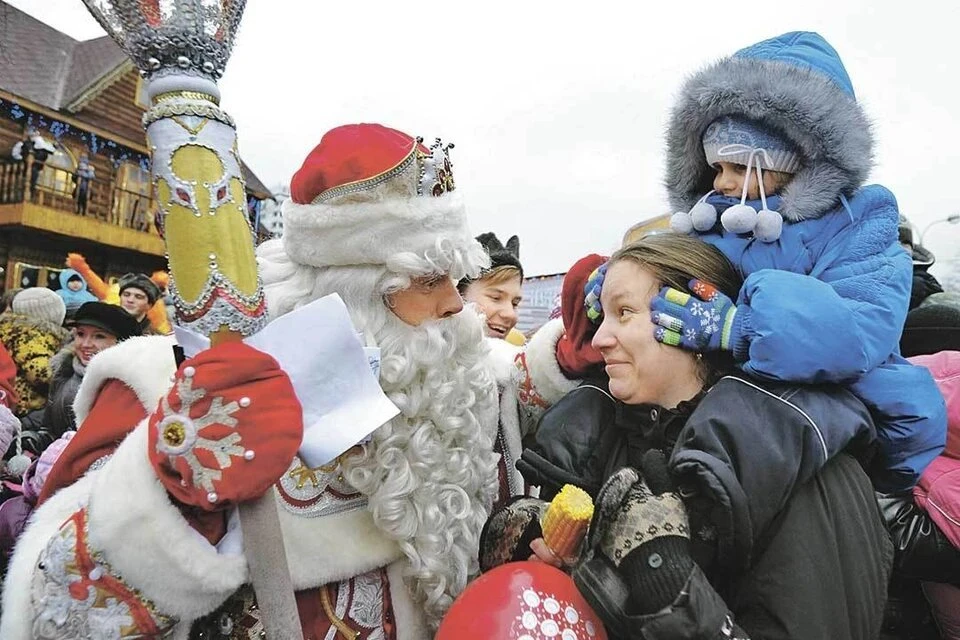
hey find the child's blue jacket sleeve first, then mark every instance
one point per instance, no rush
(844, 318)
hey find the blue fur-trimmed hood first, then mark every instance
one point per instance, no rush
(795, 84)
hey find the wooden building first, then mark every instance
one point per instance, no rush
(83, 98)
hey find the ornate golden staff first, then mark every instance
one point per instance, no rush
(181, 48)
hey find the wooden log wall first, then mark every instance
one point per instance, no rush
(116, 110)
(10, 134)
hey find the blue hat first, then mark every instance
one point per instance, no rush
(734, 139)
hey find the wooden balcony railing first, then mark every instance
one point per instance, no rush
(105, 201)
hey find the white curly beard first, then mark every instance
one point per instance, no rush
(430, 473)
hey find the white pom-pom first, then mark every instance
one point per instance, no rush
(18, 465)
(769, 226)
(680, 222)
(740, 218)
(703, 216)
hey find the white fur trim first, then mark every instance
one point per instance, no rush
(344, 233)
(542, 365)
(17, 620)
(144, 364)
(512, 432)
(148, 542)
(501, 361)
(411, 624)
(335, 547)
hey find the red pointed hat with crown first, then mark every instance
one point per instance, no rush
(367, 193)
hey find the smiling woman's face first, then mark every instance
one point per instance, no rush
(641, 369)
(89, 341)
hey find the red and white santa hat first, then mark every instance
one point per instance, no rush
(367, 193)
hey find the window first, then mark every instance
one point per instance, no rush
(31, 275)
(131, 202)
(57, 171)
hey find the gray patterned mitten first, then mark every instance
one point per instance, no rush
(642, 527)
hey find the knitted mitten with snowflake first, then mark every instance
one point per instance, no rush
(699, 322)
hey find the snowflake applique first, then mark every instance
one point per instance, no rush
(697, 309)
(704, 291)
(180, 434)
(691, 335)
(710, 321)
(113, 615)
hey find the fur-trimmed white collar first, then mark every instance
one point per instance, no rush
(501, 361)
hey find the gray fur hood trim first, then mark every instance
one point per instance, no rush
(826, 124)
(61, 365)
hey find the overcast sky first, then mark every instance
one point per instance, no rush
(558, 109)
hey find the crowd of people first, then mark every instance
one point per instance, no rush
(730, 392)
(47, 339)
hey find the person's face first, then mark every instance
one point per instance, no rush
(89, 341)
(498, 302)
(641, 370)
(135, 302)
(74, 285)
(730, 178)
(427, 298)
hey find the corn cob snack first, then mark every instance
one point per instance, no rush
(565, 522)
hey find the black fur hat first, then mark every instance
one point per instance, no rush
(500, 255)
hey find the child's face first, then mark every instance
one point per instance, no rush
(730, 177)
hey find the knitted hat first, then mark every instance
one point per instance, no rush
(141, 282)
(40, 303)
(108, 317)
(367, 193)
(733, 139)
(576, 354)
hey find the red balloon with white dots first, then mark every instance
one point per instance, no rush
(521, 601)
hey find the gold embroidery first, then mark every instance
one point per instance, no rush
(191, 130)
(303, 473)
(341, 626)
(174, 434)
(184, 95)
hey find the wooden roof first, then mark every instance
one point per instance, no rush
(49, 67)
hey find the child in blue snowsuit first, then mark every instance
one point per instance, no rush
(827, 283)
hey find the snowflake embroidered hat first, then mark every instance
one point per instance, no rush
(733, 139)
(229, 427)
(368, 193)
